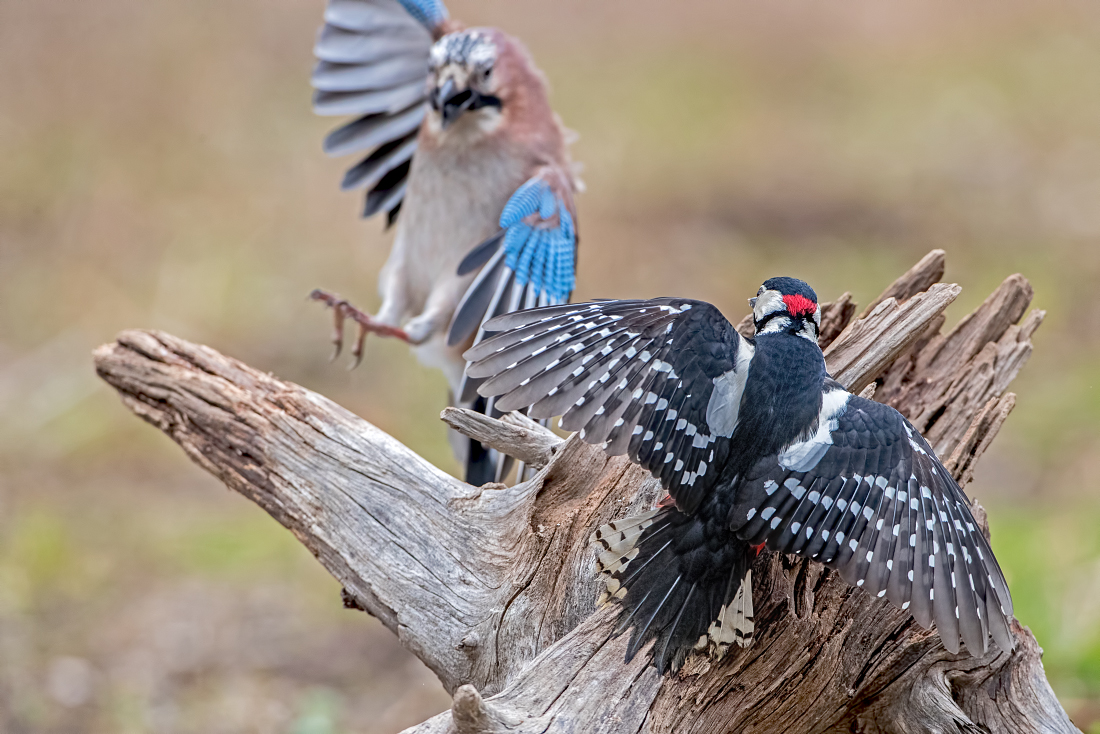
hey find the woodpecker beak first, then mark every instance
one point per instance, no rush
(452, 104)
(752, 303)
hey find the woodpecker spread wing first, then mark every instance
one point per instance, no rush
(372, 62)
(866, 495)
(660, 380)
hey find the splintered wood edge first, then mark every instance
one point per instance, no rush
(869, 345)
(917, 279)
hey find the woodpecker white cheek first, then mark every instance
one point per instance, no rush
(767, 303)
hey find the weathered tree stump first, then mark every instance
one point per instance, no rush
(494, 588)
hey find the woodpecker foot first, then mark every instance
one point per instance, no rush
(342, 310)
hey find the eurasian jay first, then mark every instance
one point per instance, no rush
(459, 137)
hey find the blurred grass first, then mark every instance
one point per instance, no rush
(160, 168)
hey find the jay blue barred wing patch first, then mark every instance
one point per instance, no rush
(659, 380)
(372, 62)
(530, 262)
(540, 238)
(866, 495)
(429, 12)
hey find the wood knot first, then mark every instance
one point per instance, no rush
(468, 711)
(472, 714)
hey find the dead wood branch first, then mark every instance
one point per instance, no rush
(494, 587)
(514, 434)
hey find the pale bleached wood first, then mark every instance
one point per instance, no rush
(474, 581)
(979, 436)
(869, 345)
(514, 434)
(494, 588)
(835, 316)
(944, 378)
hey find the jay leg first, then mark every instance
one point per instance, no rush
(342, 310)
(436, 315)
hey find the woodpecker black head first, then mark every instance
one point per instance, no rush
(461, 66)
(786, 305)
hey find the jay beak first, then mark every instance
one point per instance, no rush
(452, 104)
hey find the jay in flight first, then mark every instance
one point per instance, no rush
(457, 144)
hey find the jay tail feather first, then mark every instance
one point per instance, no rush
(756, 445)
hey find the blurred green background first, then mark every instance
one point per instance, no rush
(160, 167)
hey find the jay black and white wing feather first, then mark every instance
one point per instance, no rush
(659, 380)
(865, 494)
(372, 62)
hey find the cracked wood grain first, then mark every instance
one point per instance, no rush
(494, 587)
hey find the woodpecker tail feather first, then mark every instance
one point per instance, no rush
(676, 584)
(735, 619)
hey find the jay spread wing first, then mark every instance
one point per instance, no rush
(372, 62)
(530, 262)
(660, 380)
(866, 495)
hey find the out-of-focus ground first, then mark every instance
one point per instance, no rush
(160, 167)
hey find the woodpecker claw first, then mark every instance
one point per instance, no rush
(341, 311)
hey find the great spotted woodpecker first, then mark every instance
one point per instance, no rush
(756, 444)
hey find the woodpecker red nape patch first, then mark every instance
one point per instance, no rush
(799, 305)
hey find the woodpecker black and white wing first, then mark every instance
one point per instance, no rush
(660, 380)
(372, 62)
(865, 494)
